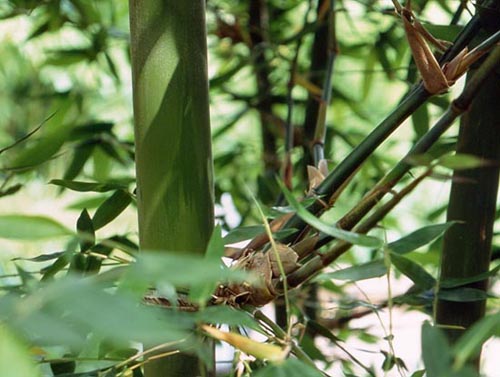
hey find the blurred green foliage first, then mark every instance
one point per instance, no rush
(66, 117)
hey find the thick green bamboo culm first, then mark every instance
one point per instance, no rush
(467, 245)
(172, 131)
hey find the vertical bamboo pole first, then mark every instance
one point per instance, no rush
(172, 131)
(467, 245)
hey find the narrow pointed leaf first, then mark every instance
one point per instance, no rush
(418, 238)
(363, 271)
(413, 271)
(435, 351)
(111, 208)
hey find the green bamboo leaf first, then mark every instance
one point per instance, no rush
(243, 233)
(85, 230)
(61, 262)
(111, 208)
(11, 190)
(181, 270)
(457, 282)
(418, 373)
(89, 186)
(15, 358)
(201, 292)
(464, 294)
(363, 271)
(220, 314)
(444, 32)
(309, 218)
(413, 271)
(421, 120)
(418, 238)
(436, 352)
(27, 136)
(42, 257)
(52, 136)
(21, 227)
(89, 130)
(80, 157)
(461, 161)
(289, 368)
(469, 344)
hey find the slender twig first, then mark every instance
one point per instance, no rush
(326, 96)
(457, 107)
(289, 132)
(353, 161)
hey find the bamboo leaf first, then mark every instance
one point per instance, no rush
(418, 238)
(85, 230)
(88, 186)
(421, 120)
(42, 257)
(309, 218)
(461, 161)
(80, 157)
(200, 293)
(220, 314)
(456, 282)
(53, 135)
(363, 271)
(464, 294)
(111, 208)
(290, 368)
(469, 344)
(15, 358)
(413, 271)
(20, 227)
(435, 351)
(243, 233)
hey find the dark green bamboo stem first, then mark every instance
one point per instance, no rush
(458, 106)
(319, 59)
(258, 25)
(411, 103)
(467, 245)
(326, 97)
(172, 131)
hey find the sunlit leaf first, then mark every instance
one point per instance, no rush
(200, 293)
(221, 314)
(290, 368)
(20, 227)
(15, 358)
(461, 161)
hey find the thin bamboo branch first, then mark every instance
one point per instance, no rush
(412, 102)
(458, 107)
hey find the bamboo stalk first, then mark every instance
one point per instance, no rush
(467, 245)
(172, 132)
